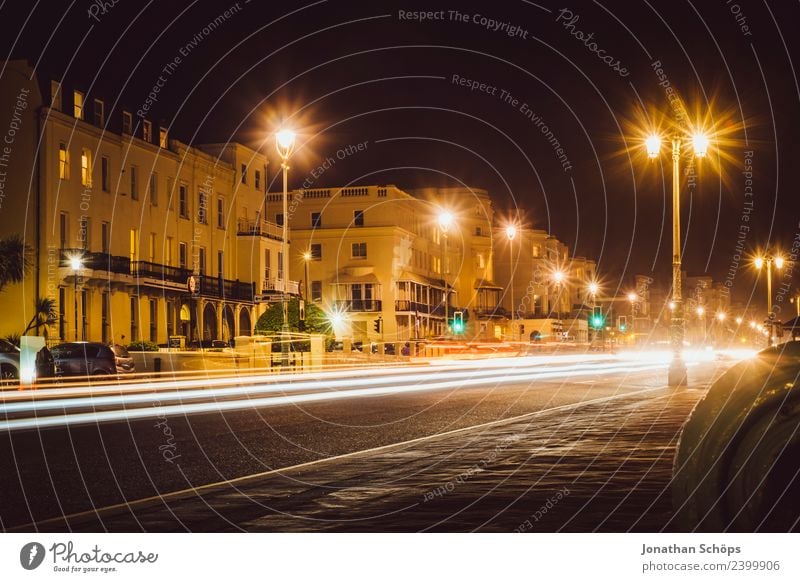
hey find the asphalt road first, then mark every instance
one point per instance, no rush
(68, 470)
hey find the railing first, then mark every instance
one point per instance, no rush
(96, 261)
(415, 306)
(219, 287)
(158, 271)
(277, 285)
(260, 228)
(491, 312)
(359, 305)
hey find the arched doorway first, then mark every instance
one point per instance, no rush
(209, 322)
(244, 321)
(228, 323)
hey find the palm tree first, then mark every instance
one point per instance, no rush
(14, 260)
(44, 314)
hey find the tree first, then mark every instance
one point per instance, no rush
(272, 319)
(14, 260)
(44, 314)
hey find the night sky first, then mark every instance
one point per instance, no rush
(352, 72)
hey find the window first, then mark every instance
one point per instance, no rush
(77, 104)
(221, 212)
(55, 95)
(244, 173)
(147, 131)
(477, 231)
(152, 249)
(279, 219)
(63, 161)
(221, 264)
(162, 137)
(99, 113)
(105, 234)
(134, 245)
(168, 251)
(202, 208)
(315, 250)
(182, 255)
(127, 123)
(134, 183)
(358, 218)
(201, 260)
(63, 229)
(360, 250)
(134, 318)
(84, 230)
(86, 167)
(183, 201)
(104, 317)
(105, 174)
(153, 189)
(257, 182)
(480, 261)
(316, 291)
(316, 220)
(154, 320)
(267, 265)
(536, 251)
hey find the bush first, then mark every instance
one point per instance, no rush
(142, 346)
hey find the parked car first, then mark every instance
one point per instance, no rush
(9, 363)
(91, 359)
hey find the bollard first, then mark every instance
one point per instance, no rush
(737, 466)
(156, 365)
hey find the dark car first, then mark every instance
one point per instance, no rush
(9, 363)
(92, 359)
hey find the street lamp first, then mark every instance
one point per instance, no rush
(284, 142)
(446, 220)
(759, 262)
(558, 278)
(511, 233)
(306, 258)
(76, 264)
(700, 143)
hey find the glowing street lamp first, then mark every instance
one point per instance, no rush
(768, 260)
(700, 144)
(284, 143)
(446, 220)
(511, 233)
(76, 264)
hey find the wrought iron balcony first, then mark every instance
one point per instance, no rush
(359, 305)
(277, 286)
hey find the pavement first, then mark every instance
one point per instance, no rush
(598, 462)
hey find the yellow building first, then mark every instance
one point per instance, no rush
(170, 239)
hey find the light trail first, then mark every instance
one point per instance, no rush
(246, 404)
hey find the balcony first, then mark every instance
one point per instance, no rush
(484, 312)
(96, 261)
(225, 288)
(359, 305)
(260, 228)
(277, 286)
(148, 270)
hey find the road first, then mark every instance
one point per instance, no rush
(522, 445)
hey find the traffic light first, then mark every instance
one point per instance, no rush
(597, 321)
(458, 322)
(377, 325)
(622, 322)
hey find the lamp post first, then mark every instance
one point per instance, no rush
(306, 258)
(558, 279)
(593, 290)
(677, 367)
(76, 264)
(284, 142)
(759, 262)
(445, 221)
(511, 233)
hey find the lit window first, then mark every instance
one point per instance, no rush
(127, 122)
(147, 131)
(86, 167)
(162, 137)
(77, 102)
(63, 161)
